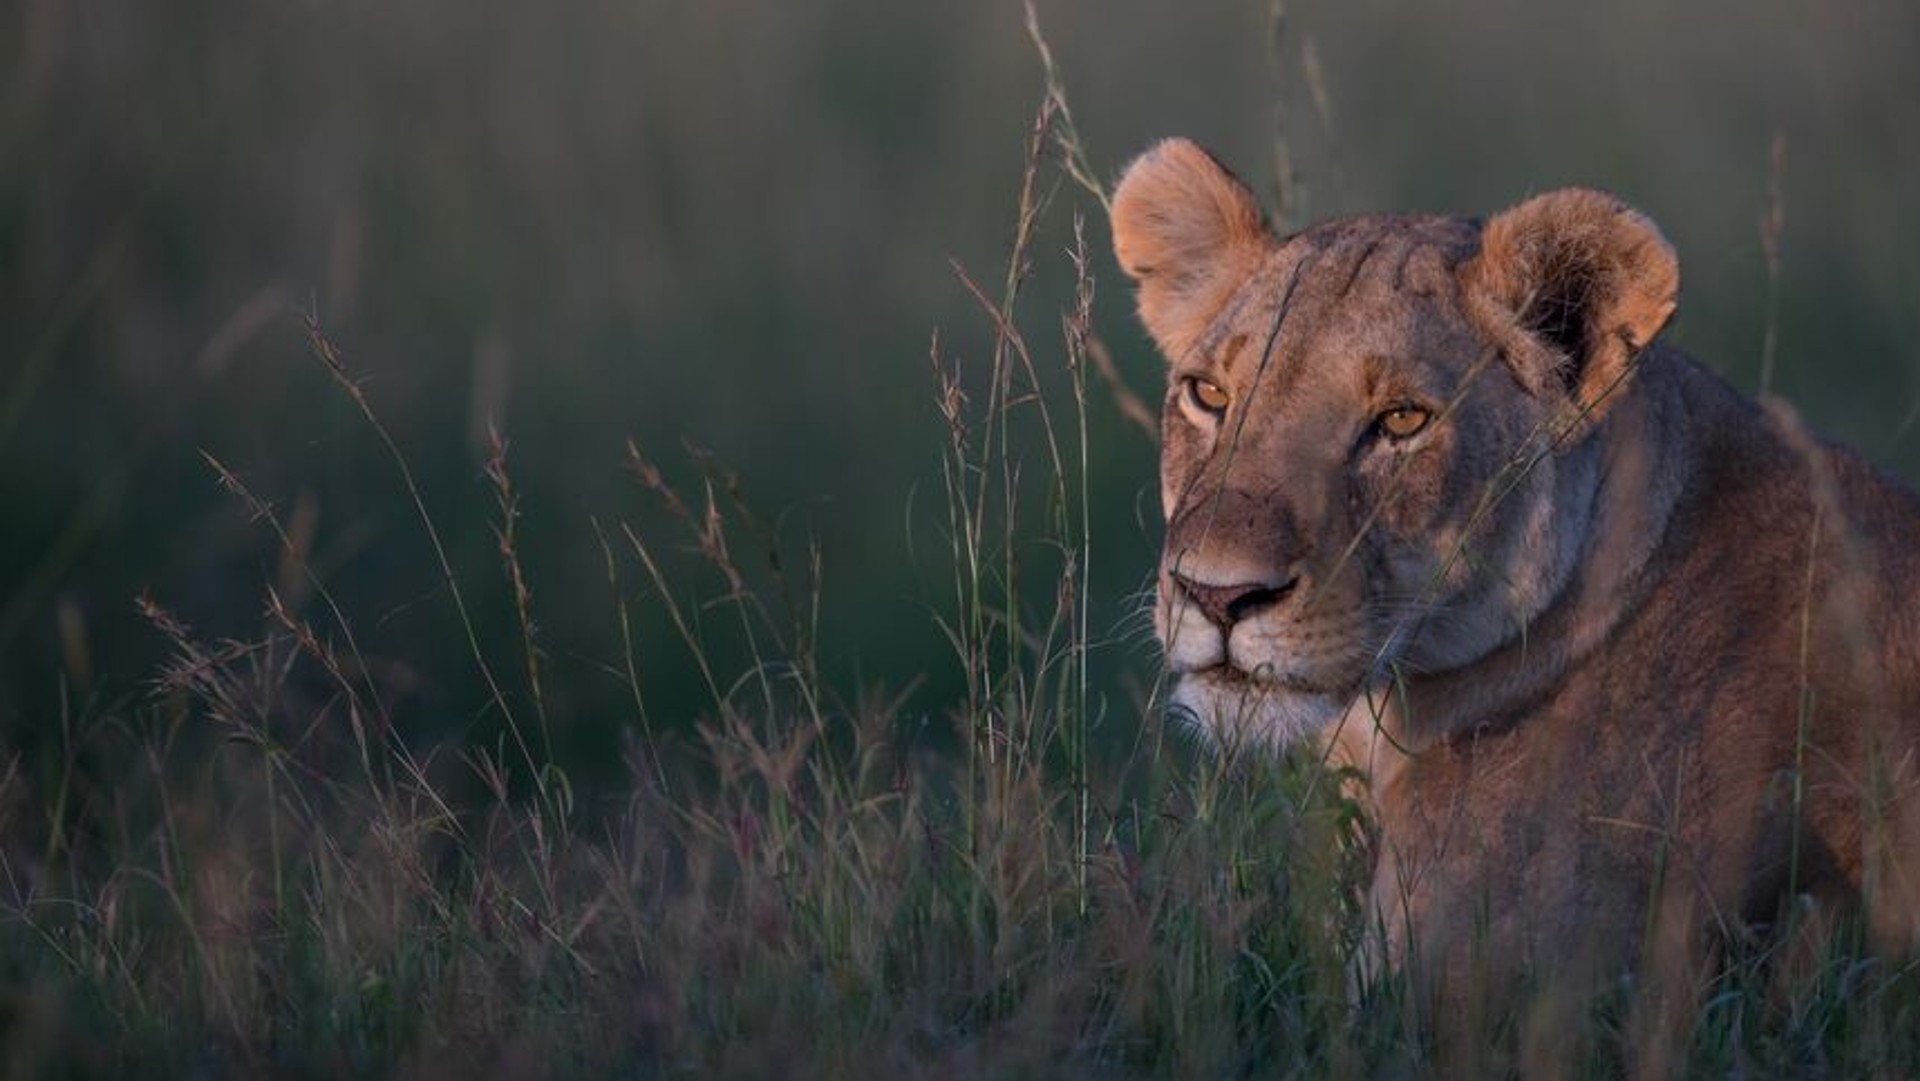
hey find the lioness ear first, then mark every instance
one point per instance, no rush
(1189, 233)
(1583, 274)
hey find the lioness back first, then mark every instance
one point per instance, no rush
(1621, 651)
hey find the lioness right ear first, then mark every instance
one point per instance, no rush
(1189, 233)
(1582, 274)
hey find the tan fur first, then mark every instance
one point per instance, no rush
(1620, 651)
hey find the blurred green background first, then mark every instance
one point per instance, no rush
(729, 222)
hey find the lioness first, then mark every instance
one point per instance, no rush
(1609, 639)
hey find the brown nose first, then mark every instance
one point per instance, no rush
(1227, 605)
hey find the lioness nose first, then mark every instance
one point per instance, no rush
(1229, 604)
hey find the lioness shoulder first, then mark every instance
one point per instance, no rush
(1609, 637)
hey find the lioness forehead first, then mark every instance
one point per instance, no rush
(1360, 270)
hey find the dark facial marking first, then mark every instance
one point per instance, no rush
(1353, 273)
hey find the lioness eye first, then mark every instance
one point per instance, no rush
(1208, 396)
(1403, 421)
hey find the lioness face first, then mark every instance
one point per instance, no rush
(1364, 461)
(1328, 448)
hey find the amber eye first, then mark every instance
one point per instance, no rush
(1208, 396)
(1403, 421)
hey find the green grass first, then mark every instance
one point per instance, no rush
(250, 872)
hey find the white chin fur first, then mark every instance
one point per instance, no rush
(1236, 713)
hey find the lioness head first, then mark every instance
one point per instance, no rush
(1376, 455)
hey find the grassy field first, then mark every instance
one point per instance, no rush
(253, 874)
(293, 848)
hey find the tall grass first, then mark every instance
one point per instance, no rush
(252, 871)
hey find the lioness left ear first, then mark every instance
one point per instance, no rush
(1190, 233)
(1582, 274)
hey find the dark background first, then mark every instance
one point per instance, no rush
(729, 223)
